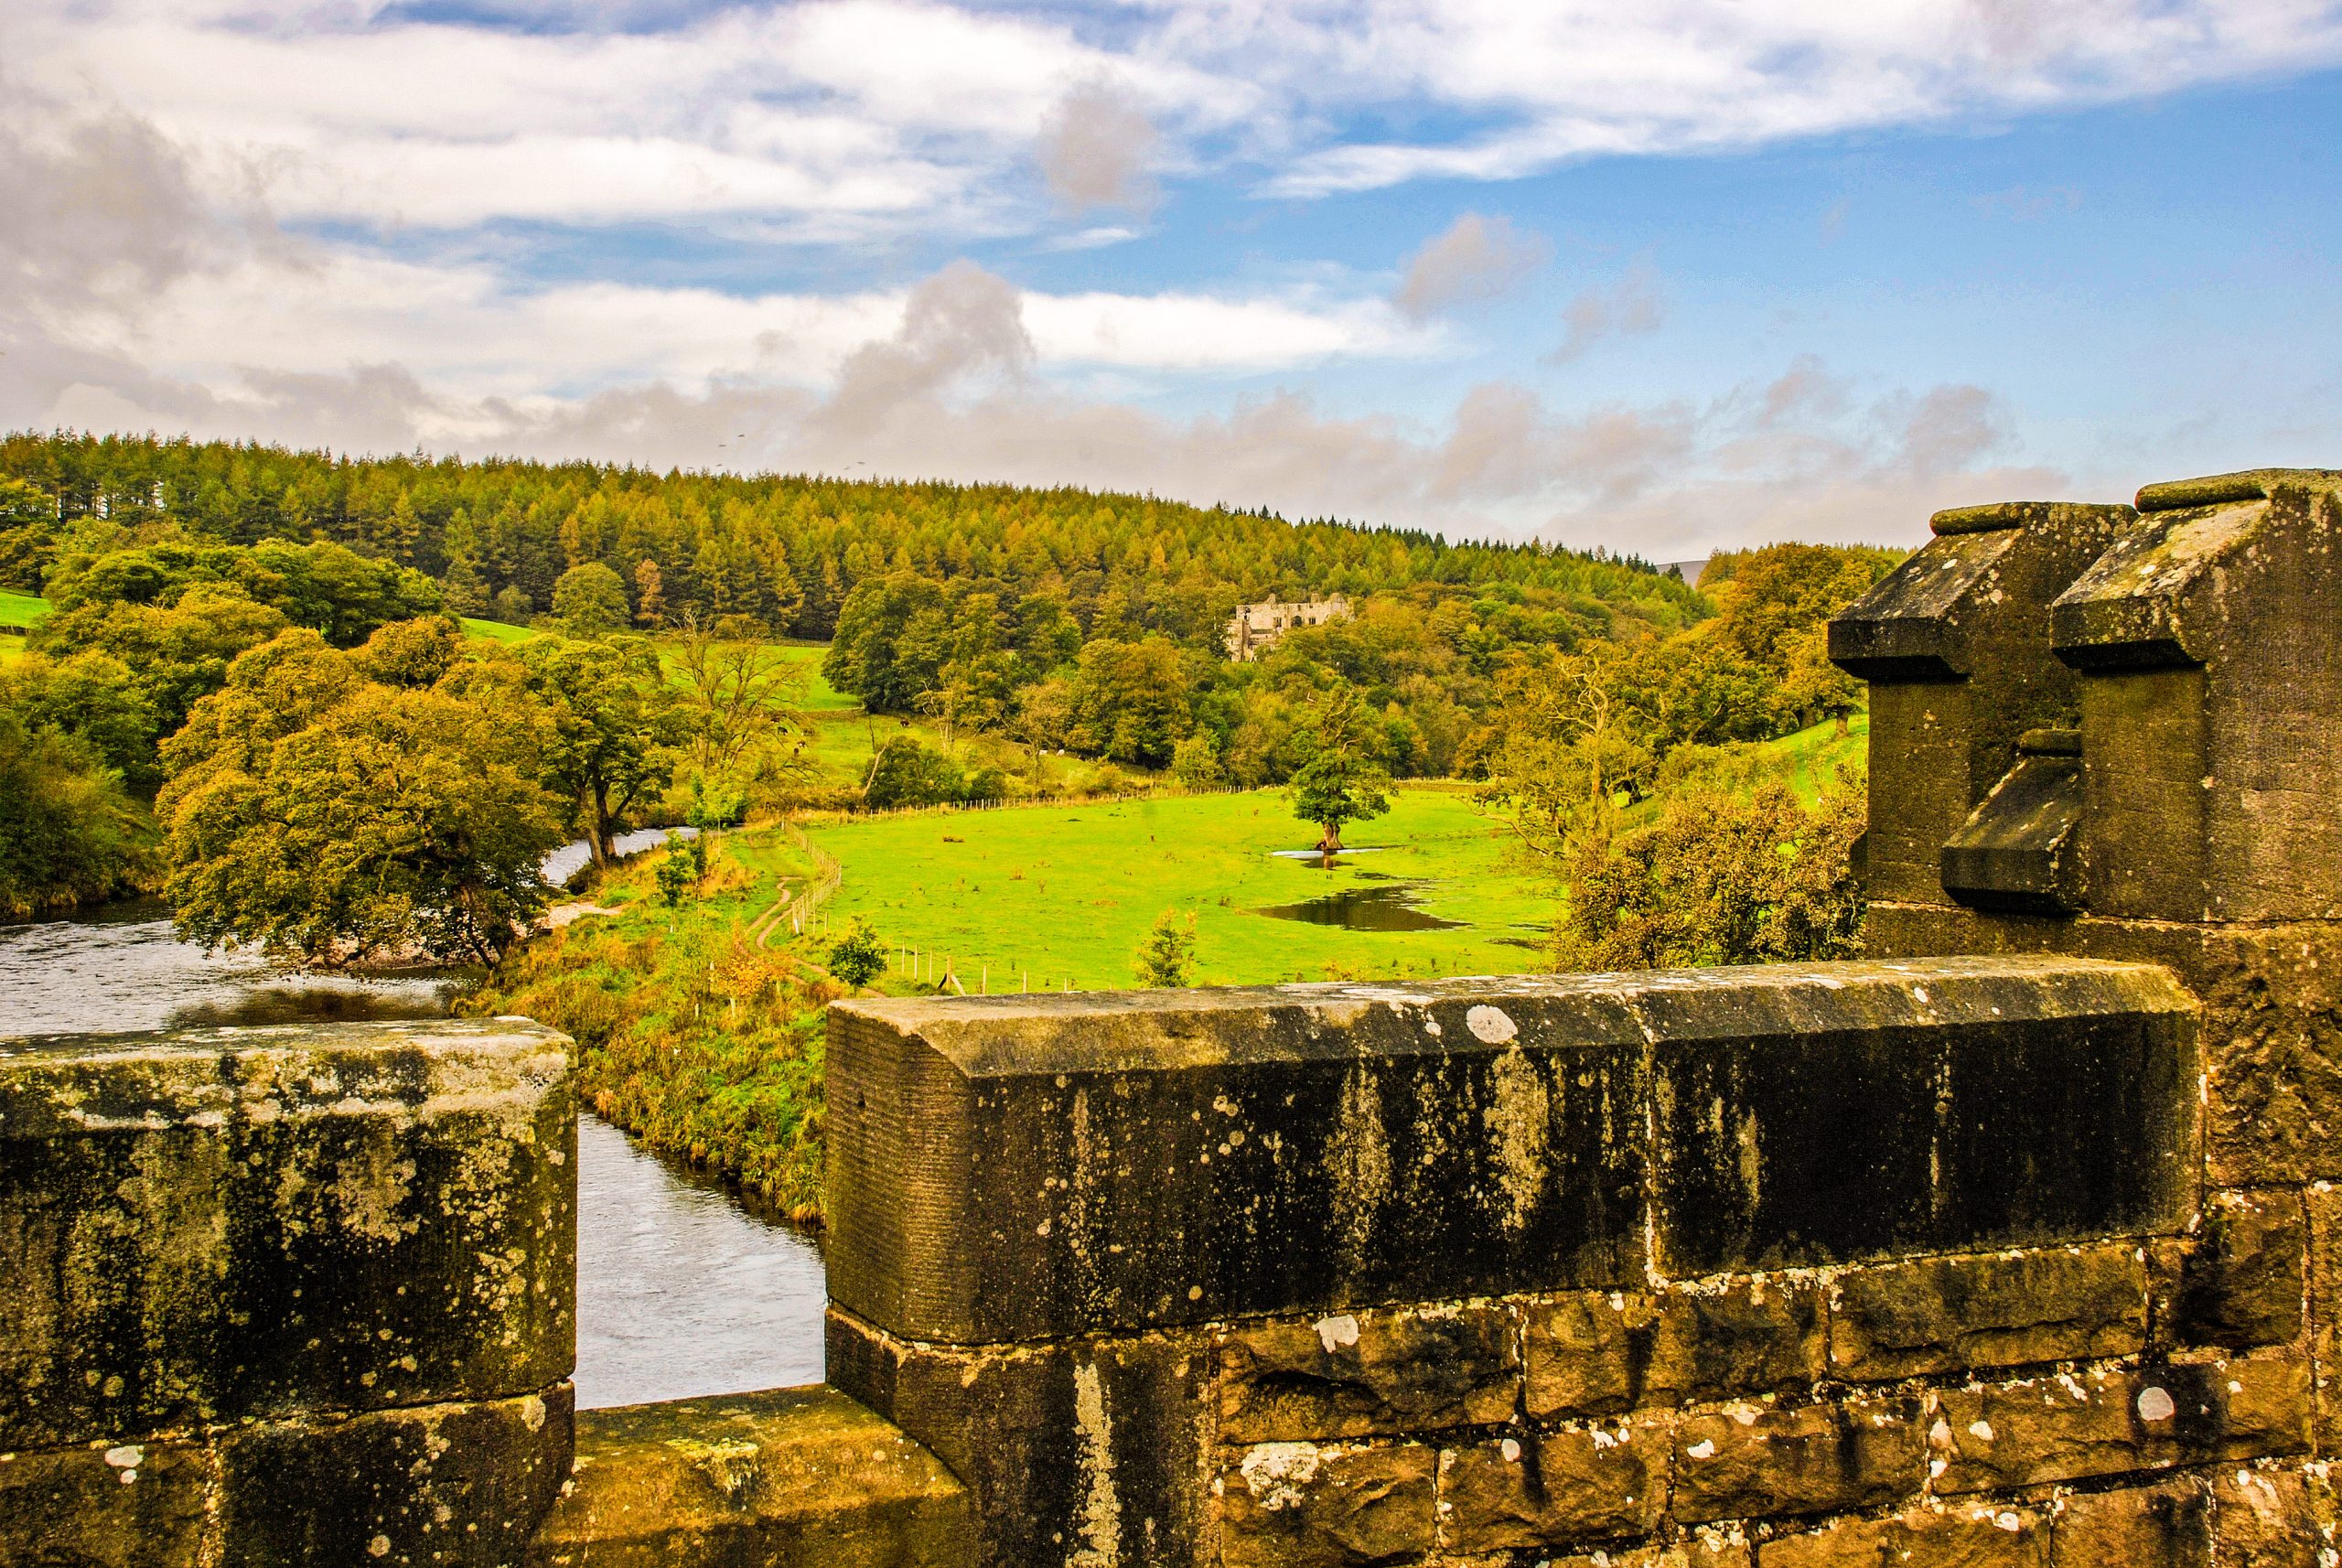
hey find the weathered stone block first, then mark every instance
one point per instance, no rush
(2325, 1206)
(795, 1478)
(2271, 1024)
(2021, 847)
(1317, 1149)
(2165, 1526)
(1588, 1352)
(132, 1505)
(1932, 1537)
(1943, 1314)
(457, 1485)
(1593, 1353)
(2243, 1283)
(1970, 1104)
(1703, 1548)
(1294, 1149)
(1524, 1493)
(2267, 1516)
(1349, 1374)
(1088, 1446)
(1956, 645)
(2102, 1423)
(2210, 781)
(1755, 1463)
(226, 1223)
(1304, 1505)
(1749, 1337)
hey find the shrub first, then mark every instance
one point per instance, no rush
(1168, 956)
(1753, 877)
(906, 773)
(858, 957)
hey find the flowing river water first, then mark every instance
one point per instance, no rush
(682, 1288)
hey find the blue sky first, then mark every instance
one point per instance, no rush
(1659, 278)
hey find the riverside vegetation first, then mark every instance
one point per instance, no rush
(337, 709)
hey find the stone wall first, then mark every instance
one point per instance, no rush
(285, 1295)
(1727, 1262)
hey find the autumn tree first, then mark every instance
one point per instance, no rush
(650, 595)
(329, 818)
(1748, 875)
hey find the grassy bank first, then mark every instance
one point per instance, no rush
(690, 1034)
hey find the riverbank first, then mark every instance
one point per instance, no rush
(693, 1035)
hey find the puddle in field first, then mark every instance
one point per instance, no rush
(1393, 908)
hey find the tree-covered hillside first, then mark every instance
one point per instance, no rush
(498, 534)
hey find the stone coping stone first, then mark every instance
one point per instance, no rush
(780, 1479)
(2247, 485)
(220, 1224)
(1021, 1168)
(1970, 603)
(1991, 517)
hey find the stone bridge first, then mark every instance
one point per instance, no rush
(2014, 1245)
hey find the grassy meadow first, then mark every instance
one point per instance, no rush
(19, 610)
(1065, 893)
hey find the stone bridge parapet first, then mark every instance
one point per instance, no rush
(2015, 1246)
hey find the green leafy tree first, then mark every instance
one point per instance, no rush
(1195, 761)
(69, 833)
(858, 957)
(28, 535)
(905, 773)
(612, 724)
(1168, 957)
(679, 870)
(590, 600)
(1721, 877)
(1339, 781)
(328, 819)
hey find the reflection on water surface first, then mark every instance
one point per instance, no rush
(681, 1291)
(1391, 908)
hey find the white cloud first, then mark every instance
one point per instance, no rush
(1474, 258)
(1632, 306)
(952, 383)
(1093, 151)
(862, 117)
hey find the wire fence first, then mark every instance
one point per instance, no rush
(804, 911)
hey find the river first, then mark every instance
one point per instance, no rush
(682, 1289)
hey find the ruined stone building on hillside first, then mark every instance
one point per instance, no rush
(1253, 629)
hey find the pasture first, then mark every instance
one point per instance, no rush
(1064, 894)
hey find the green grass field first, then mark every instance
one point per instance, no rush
(496, 631)
(1066, 893)
(19, 609)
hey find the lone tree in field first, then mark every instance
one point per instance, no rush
(1340, 781)
(1168, 957)
(858, 956)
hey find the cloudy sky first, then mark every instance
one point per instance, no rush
(1656, 275)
